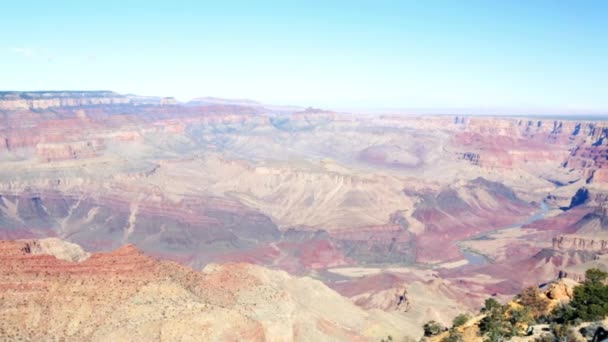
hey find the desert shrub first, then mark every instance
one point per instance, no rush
(501, 322)
(562, 314)
(520, 316)
(560, 331)
(495, 326)
(433, 328)
(460, 320)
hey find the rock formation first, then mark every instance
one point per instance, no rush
(125, 295)
(457, 207)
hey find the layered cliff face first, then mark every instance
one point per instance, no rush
(563, 246)
(581, 243)
(510, 143)
(592, 159)
(589, 243)
(44, 100)
(125, 295)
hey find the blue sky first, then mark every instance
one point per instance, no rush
(512, 56)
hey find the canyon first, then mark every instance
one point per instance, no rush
(259, 222)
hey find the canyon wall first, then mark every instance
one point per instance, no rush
(45, 100)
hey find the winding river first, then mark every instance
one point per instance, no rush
(475, 258)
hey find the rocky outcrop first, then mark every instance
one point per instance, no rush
(560, 291)
(124, 295)
(58, 248)
(395, 299)
(473, 158)
(580, 243)
(75, 150)
(592, 159)
(555, 294)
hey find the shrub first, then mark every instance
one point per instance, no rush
(460, 320)
(490, 305)
(559, 330)
(520, 316)
(433, 328)
(500, 323)
(595, 276)
(495, 327)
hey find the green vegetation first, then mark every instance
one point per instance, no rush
(590, 301)
(491, 304)
(433, 328)
(495, 325)
(460, 320)
(501, 322)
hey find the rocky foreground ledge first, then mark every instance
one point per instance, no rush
(126, 295)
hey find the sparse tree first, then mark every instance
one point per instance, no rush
(490, 305)
(433, 328)
(590, 300)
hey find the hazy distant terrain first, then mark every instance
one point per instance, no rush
(446, 209)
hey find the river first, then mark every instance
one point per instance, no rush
(474, 258)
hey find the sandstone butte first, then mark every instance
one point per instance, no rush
(125, 295)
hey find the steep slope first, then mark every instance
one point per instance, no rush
(125, 295)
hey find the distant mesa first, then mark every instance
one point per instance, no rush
(41, 95)
(205, 101)
(217, 101)
(166, 101)
(151, 100)
(37, 100)
(32, 100)
(41, 100)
